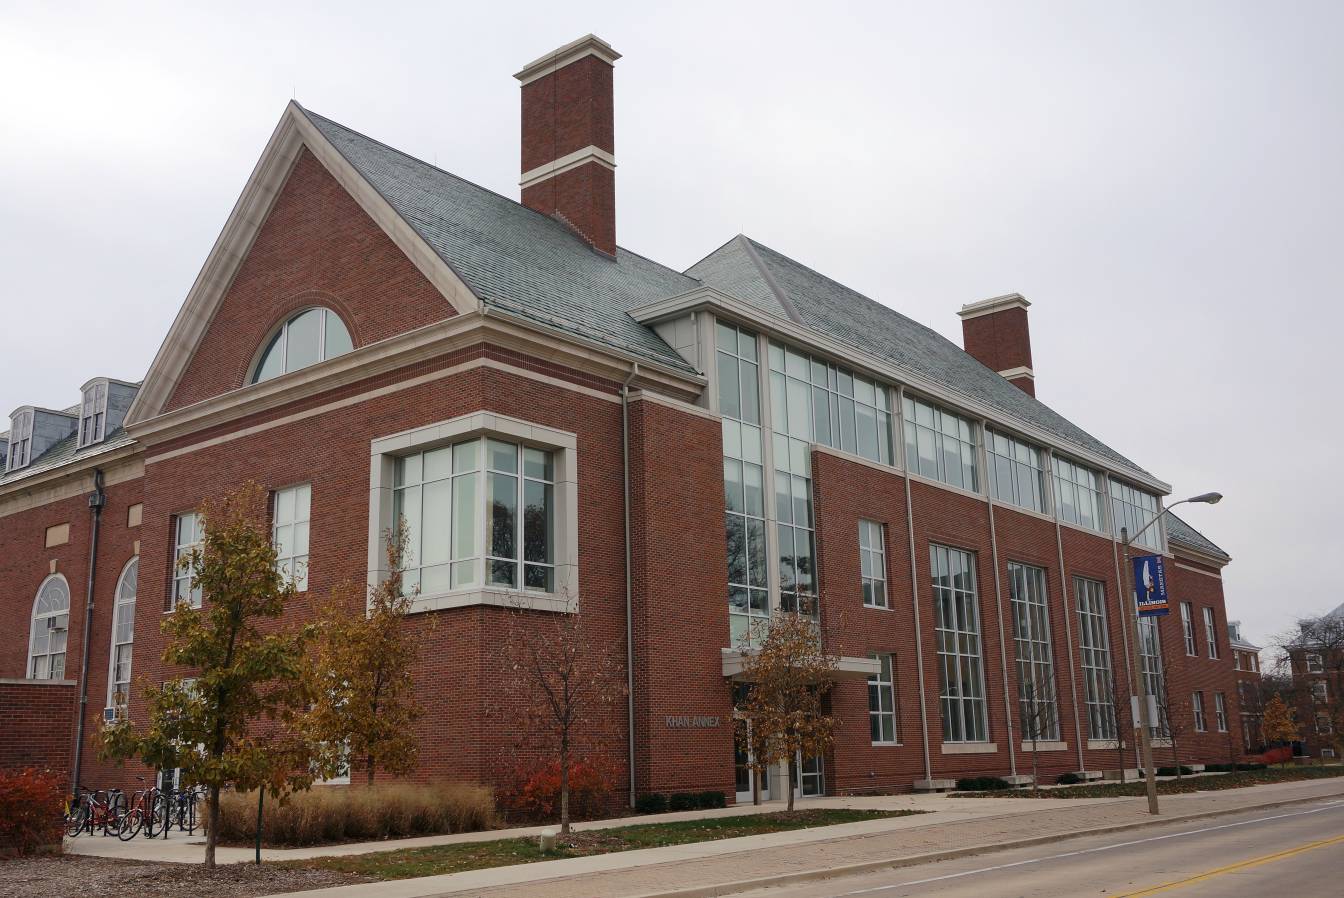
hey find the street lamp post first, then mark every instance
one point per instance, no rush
(1136, 656)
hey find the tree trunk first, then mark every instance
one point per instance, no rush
(368, 768)
(212, 831)
(261, 799)
(564, 791)
(755, 785)
(1035, 767)
(1175, 757)
(793, 772)
(1120, 754)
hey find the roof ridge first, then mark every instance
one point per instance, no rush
(776, 288)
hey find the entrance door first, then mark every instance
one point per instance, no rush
(742, 766)
(811, 777)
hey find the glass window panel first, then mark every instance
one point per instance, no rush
(302, 340)
(501, 516)
(730, 403)
(337, 337)
(436, 514)
(751, 404)
(465, 491)
(754, 494)
(501, 456)
(537, 536)
(437, 463)
(733, 488)
(466, 456)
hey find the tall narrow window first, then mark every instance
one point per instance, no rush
(940, 445)
(123, 637)
(1220, 711)
(93, 413)
(1315, 663)
(1094, 643)
(289, 533)
(1016, 471)
(1197, 705)
(873, 563)
(792, 423)
(1037, 701)
(960, 668)
(1188, 628)
(835, 406)
(1210, 633)
(1154, 684)
(481, 512)
(20, 440)
(1133, 509)
(311, 336)
(882, 703)
(49, 628)
(738, 376)
(1078, 497)
(188, 533)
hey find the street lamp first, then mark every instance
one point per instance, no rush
(1136, 658)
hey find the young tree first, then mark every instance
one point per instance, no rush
(562, 683)
(1038, 719)
(1170, 715)
(1122, 712)
(789, 674)
(1278, 725)
(210, 725)
(363, 702)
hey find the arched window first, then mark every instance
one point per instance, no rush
(123, 635)
(51, 625)
(311, 336)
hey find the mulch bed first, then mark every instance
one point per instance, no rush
(77, 875)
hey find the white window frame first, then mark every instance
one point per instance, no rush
(1210, 633)
(188, 534)
(956, 617)
(966, 440)
(1094, 646)
(1022, 480)
(1220, 711)
(882, 685)
(291, 532)
(873, 563)
(123, 602)
(1197, 704)
(562, 445)
(1033, 650)
(1132, 509)
(1081, 486)
(279, 339)
(1188, 629)
(48, 620)
(1320, 692)
(93, 413)
(1315, 662)
(20, 439)
(1154, 681)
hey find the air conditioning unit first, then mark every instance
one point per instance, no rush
(111, 713)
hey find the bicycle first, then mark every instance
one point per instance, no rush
(95, 808)
(143, 813)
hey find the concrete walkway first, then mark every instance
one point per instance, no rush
(718, 868)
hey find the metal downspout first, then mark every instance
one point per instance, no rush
(914, 593)
(629, 605)
(96, 501)
(1003, 644)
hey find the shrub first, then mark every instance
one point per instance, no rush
(1171, 771)
(651, 803)
(329, 814)
(683, 801)
(1281, 755)
(713, 800)
(534, 791)
(31, 802)
(982, 784)
(1069, 779)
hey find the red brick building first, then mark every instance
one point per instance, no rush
(571, 426)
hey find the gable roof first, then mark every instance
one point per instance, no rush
(1178, 531)
(750, 271)
(514, 258)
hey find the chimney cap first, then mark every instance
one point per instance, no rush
(588, 45)
(992, 305)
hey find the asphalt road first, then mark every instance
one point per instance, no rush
(1296, 850)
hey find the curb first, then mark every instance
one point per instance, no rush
(716, 891)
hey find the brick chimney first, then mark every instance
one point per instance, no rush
(995, 332)
(569, 166)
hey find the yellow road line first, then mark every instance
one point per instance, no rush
(1233, 868)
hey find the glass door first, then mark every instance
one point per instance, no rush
(742, 766)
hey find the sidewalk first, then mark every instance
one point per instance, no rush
(717, 868)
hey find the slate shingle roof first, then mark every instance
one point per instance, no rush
(514, 258)
(846, 315)
(1180, 532)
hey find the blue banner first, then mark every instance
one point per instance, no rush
(1150, 585)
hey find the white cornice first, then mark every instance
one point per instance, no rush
(292, 134)
(992, 305)
(732, 307)
(588, 45)
(569, 161)
(1019, 371)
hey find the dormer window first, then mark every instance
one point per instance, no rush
(311, 336)
(93, 413)
(20, 439)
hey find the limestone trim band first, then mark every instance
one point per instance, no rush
(568, 162)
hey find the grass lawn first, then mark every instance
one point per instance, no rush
(438, 859)
(1208, 783)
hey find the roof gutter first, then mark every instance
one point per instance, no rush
(97, 499)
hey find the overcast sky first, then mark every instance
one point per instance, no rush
(1162, 180)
